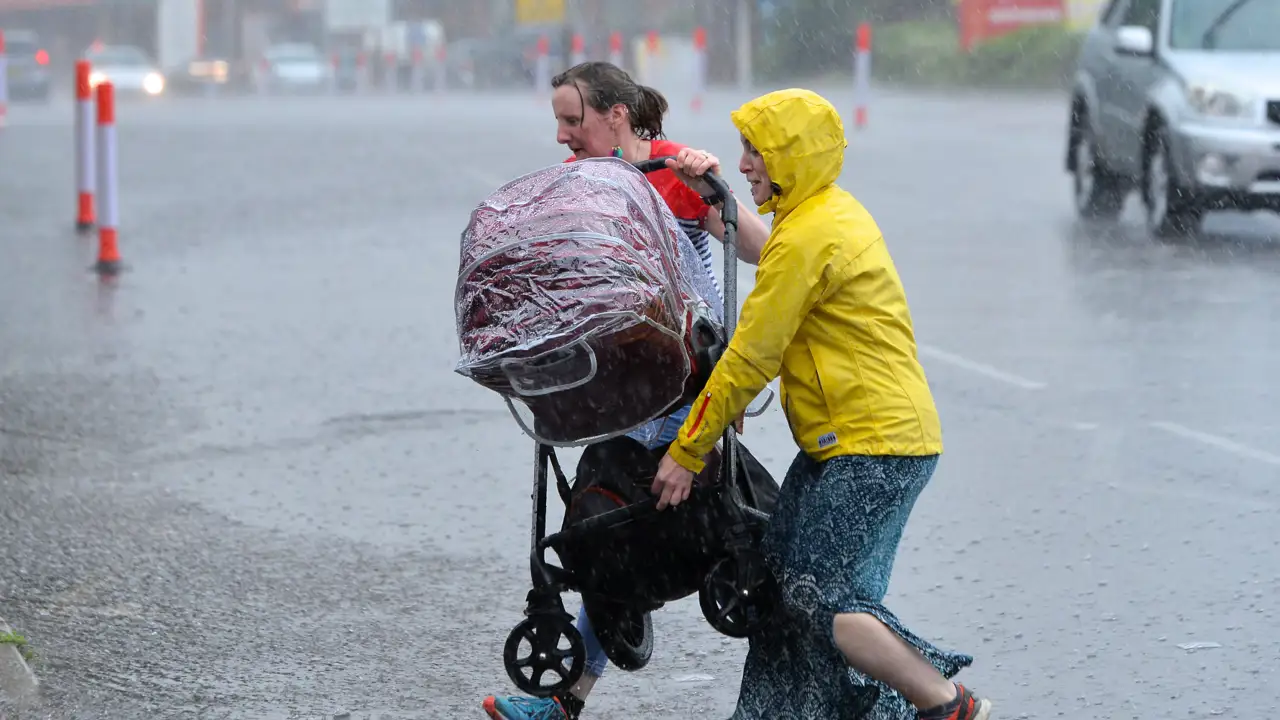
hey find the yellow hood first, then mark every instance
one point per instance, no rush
(801, 137)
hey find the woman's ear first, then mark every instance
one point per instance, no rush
(618, 116)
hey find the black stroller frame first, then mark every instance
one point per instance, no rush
(736, 596)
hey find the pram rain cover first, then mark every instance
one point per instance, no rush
(576, 288)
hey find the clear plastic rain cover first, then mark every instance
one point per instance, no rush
(576, 291)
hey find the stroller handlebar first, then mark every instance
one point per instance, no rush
(652, 164)
(719, 188)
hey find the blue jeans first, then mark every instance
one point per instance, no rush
(652, 435)
(597, 661)
(661, 431)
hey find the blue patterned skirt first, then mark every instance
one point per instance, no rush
(832, 542)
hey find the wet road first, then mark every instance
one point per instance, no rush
(244, 481)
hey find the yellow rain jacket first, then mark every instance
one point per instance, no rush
(828, 312)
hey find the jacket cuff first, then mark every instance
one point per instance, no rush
(686, 460)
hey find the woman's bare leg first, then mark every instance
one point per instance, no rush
(582, 688)
(873, 649)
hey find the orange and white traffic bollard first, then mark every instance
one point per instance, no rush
(542, 70)
(108, 249)
(615, 48)
(579, 54)
(264, 76)
(4, 82)
(419, 73)
(700, 66)
(442, 68)
(651, 56)
(862, 75)
(84, 123)
(390, 72)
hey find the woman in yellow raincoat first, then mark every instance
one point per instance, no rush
(828, 314)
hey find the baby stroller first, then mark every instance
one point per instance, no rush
(584, 305)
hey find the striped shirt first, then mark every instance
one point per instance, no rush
(701, 240)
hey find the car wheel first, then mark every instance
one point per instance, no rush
(1171, 209)
(1099, 194)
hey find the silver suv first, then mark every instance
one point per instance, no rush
(1180, 98)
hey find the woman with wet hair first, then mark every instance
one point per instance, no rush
(601, 112)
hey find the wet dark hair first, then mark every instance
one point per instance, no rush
(603, 85)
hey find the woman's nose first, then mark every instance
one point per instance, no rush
(562, 136)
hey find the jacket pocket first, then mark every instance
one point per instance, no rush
(824, 383)
(790, 416)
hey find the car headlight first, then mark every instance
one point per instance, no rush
(153, 83)
(1215, 102)
(96, 78)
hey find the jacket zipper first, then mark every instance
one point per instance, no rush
(702, 411)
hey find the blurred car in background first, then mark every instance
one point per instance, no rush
(526, 38)
(208, 72)
(1179, 99)
(28, 66)
(507, 61)
(293, 68)
(129, 69)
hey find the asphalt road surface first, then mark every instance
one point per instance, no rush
(243, 481)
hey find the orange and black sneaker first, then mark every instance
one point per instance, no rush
(966, 706)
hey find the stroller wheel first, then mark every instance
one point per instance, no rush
(739, 594)
(625, 634)
(545, 633)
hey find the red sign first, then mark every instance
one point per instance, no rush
(985, 19)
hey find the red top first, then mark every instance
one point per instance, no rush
(685, 204)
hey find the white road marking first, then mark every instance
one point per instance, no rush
(1219, 442)
(981, 369)
(1105, 444)
(1222, 499)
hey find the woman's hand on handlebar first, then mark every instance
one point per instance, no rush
(690, 165)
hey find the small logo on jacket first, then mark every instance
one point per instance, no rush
(826, 441)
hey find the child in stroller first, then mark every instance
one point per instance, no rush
(582, 302)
